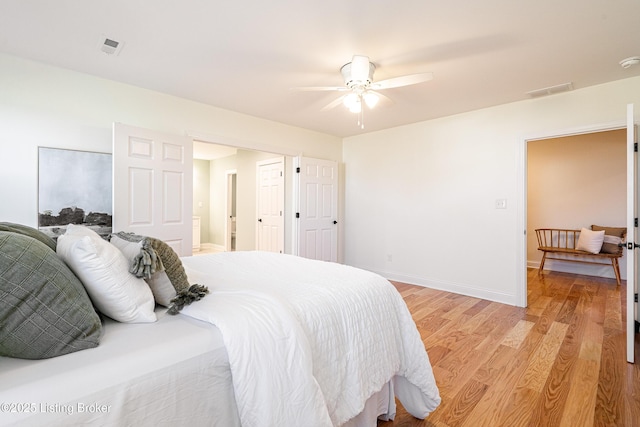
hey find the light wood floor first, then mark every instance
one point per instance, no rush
(559, 362)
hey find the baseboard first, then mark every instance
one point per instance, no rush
(456, 288)
(605, 271)
(210, 247)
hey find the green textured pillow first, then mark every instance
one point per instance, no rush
(29, 231)
(45, 310)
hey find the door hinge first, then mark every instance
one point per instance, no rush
(635, 147)
(635, 222)
(298, 169)
(297, 214)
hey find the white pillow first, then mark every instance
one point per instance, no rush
(590, 241)
(104, 271)
(163, 290)
(80, 230)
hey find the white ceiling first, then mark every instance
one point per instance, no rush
(246, 56)
(206, 151)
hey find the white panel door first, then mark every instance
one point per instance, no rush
(153, 185)
(270, 203)
(318, 215)
(632, 229)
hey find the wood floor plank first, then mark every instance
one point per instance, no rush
(517, 334)
(519, 407)
(479, 316)
(489, 372)
(613, 310)
(610, 398)
(581, 400)
(544, 357)
(559, 362)
(455, 411)
(550, 407)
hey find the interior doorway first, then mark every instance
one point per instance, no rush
(576, 181)
(230, 211)
(230, 233)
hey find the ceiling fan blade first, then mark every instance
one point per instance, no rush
(333, 104)
(319, 88)
(410, 79)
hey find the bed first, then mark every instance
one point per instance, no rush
(278, 340)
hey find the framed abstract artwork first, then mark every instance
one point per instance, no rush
(74, 187)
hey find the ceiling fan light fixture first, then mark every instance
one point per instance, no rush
(361, 89)
(370, 98)
(353, 102)
(358, 72)
(360, 68)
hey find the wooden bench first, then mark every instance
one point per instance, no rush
(564, 241)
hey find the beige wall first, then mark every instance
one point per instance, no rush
(575, 182)
(201, 195)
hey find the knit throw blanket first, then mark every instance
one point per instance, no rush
(156, 256)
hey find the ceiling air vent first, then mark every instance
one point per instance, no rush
(110, 46)
(564, 87)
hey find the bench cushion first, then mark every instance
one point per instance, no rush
(614, 235)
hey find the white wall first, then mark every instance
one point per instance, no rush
(420, 199)
(47, 106)
(423, 193)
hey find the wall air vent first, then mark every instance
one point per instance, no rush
(110, 46)
(564, 87)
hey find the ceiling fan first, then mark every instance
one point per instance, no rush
(361, 88)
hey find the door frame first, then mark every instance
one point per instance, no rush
(521, 231)
(228, 208)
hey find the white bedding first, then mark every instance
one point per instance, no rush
(176, 371)
(309, 346)
(153, 374)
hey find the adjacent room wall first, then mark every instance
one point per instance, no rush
(574, 182)
(201, 195)
(219, 168)
(420, 199)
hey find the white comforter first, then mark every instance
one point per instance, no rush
(309, 341)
